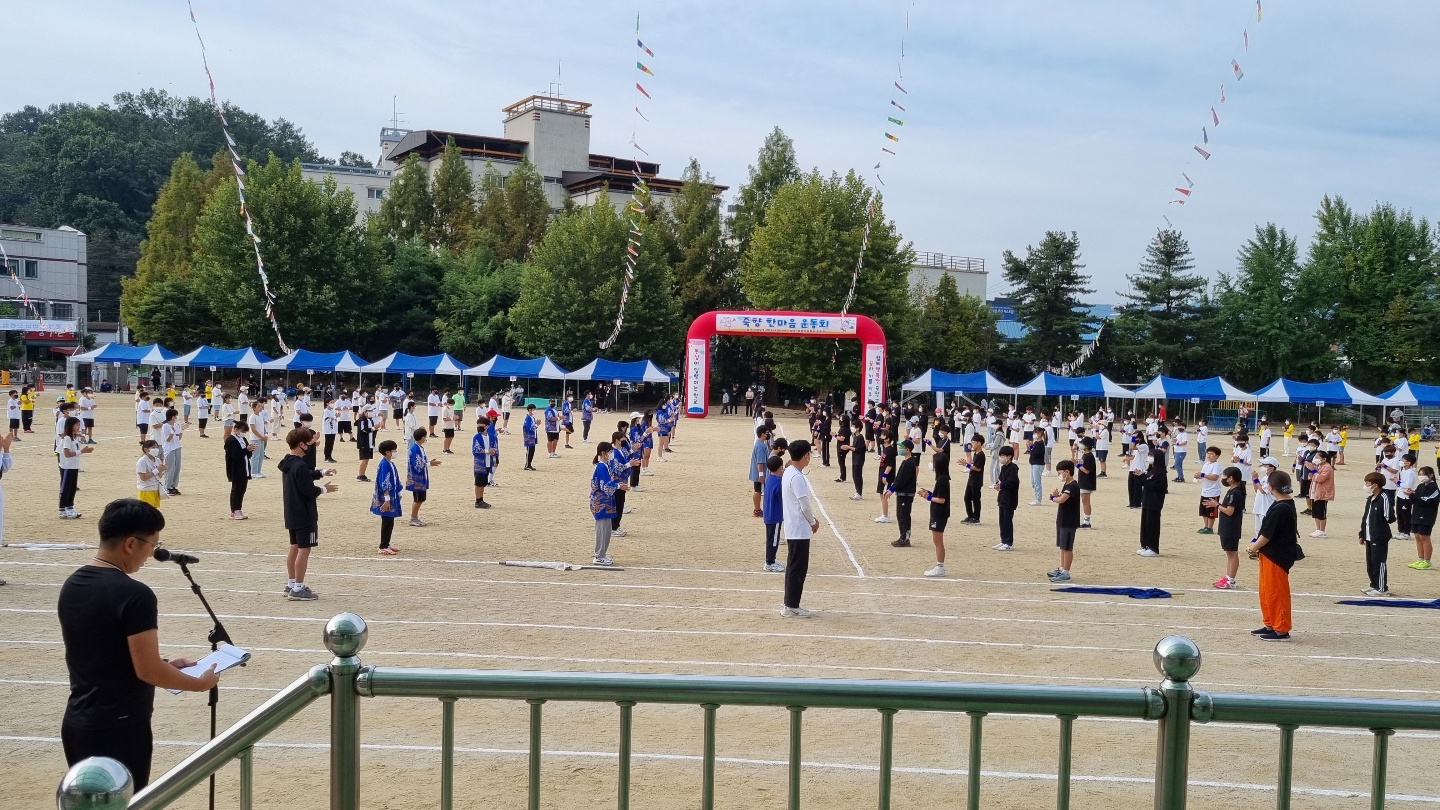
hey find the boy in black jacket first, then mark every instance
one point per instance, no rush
(1008, 499)
(1375, 534)
(904, 489)
(302, 518)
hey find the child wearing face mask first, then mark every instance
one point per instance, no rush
(148, 470)
(903, 489)
(1404, 490)
(1375, 534)
(1230, 508)
(1425, 499)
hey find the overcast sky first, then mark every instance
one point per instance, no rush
(1023, 116)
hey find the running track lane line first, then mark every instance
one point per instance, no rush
(838, 536)
(775, 763)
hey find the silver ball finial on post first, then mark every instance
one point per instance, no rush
(96, 783)
(1177, 658)
(345, 635)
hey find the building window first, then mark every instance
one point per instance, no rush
(375, 193)
(32, 268)
(12, 267)
(62, 312)
(20, 236)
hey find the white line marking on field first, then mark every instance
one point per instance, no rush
(774, 763)
(849, 552)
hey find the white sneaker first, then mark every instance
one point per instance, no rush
(603, 561)
(1003, 547)
(1148, 552)
(646, 471)
(662, 458)
(1034, 503)
(775, 568)
(1322, 535)
(856, 497)
(627, 511)
(554, 455)
(799, 613)
(258, 475)
(882, 519)
(937, 571)
(637, 488)
(618, 533)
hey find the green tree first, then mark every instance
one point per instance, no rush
(1168, 325)
(166, 253)
(319, 263)
(570, 291)
(492, 213)
(1265, 331)
(349, 158)
(411, 287)
(957, 333)
(527, 212)
(453, 224)
(1364, 278)
(1047, 286)
(803, 258)
(407, 211)
(473, 312)
(774, 168)
(706, 270)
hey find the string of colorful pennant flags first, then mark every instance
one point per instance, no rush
(14, 271)
(239, 168)
(635, 212)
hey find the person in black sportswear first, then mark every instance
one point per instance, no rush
(110, 625)
(975, 480)
(1007, 485)
(939, 499)
(906, 475)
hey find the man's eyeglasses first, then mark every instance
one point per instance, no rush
(157, 542)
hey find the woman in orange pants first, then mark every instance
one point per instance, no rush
(1277, 548)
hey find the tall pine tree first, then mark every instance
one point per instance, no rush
(1167, 325)
(453, 223)
(407, 211)
(527, 212)
(1046, 287)
(775, 167)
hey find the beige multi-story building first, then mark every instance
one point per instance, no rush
(51, 265)
(552, 133)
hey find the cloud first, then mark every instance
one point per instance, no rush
(1024, 116)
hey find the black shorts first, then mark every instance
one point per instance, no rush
(449, 433)
(1230, 543)
(482, 479)
(1304, 487)
(1421, 528)
(419, 495)
(552, 437)
(1208, 512)
(144, 429)
(938, 522)
(1320, 510)
(344, 427)
(1102, 455)
(397, 413)
(304, 538)
(14, 424)
(89, 423)
(366, 453)
(1064, 539)
(759, 486)
(434, 419)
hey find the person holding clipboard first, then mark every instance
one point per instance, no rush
(110, 626)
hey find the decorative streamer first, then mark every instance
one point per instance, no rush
(1203, 153)
(1222, 92)
(1239, 74)
(1214, 116)
(14, 271)
(637, 225)
(1205, 133)
(238, 165)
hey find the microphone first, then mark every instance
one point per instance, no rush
(178, 557)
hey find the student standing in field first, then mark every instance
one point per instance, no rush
(587, 415)
(974, 479)
(621, 462)
(12, 411)
(1231, 509)
(86, 402)
(202, 412)
(567, 420)
(759, 452)
(1322, 489)
(886, 444)
(386, 500)
(1038, 455)
(1277, 547)
(842, 444)
(1152, 503)
(773, 511)
(302, 518)
(939, 500)
(148, 470)
(906, 475)
(27, 409)
(172, 434)
(552, 431)
(1375, 534)
(1209, 477)
(1422, 517)
(800, 526)
(417, 474)
(856, 449)
(1404, 488)
(448, 426)
(1086, 478)
(1007, 485)
(1067, 518)
(603, 486)
(69, 450)
(484, 453)
(261, 424)
(531, 434)
(1180, 449)
(238, 466)
(142, 414)
(1139, 465)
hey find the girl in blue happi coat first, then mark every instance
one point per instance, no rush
(386, 500)
(603, 486)
(417, 474)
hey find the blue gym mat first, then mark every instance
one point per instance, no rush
(1400, 603)
(1133, 593)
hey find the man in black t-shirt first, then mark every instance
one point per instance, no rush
(109, 623)
(939, 499)
(975, 480)
(1277, 548)
(1067, 518)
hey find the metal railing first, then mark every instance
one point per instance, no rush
(1174, 705)
(947, 262)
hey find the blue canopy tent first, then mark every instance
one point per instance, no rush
(634, 371)
(1053, 385)
(501, 366)
(128, 355)
(308, 361)
(1211, 389)
(977, 382)
(1413, 394)
(1335, 392)
(211, 357)
(408, 365)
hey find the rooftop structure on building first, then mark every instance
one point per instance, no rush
(969, 273)
(552, 133)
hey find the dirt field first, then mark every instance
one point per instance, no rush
(693, 600)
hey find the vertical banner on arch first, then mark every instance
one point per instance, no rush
(697, 377)
(872, 384)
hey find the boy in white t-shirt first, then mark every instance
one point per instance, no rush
(148, 469)
(87, 414)
(1210, 488)
(12, 412)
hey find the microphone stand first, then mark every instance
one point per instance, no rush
(216, 635)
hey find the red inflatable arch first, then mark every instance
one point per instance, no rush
(781, 324)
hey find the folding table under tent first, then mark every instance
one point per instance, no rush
(977, 382)
(399, 363)
(501, 366)
(1211, 389)
(1335, 392)
(310, 362)
(633, 371)
(1413, 394)
(211, 357)
(1095, 386)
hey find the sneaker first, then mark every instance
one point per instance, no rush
(774, 568)
(603, 561)
(882, 519)
(1275, 637)
(1204, 530)
(627, 511)
(937, 571)
(482, 505)
(1319, 534)
(1053, 571)
(1262, 631)
(637, 488)
(619, 533)
(857, 497)
(1003, 547)
(972, 521)
(1148, 552)
(448, 452)
(362, 478)
(642, 472)
(1306, 512)
(1060, 576)
(416, 522)
(239, 516)
(258, 475)
(390, 552)
(1397, 537)
(302, 594)
(1370, 592)
(1421, 565)
(1102, 475)
(757, 513)
(839, 480)
(529, 469)
(552, 455)
(333, 461)
(1225, 583)
(799, 613)
(1034, 503)
(901, 543)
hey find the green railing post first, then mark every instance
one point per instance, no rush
(535, 704)
(345, 637)
(887, 755)
(972, 798)
(1178, 659)
(247, 778)
(447, 752)
(626, 721)
(1286, 775)
(1377, 772)
(1067, 735)
(793, 792)
(707, 760)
